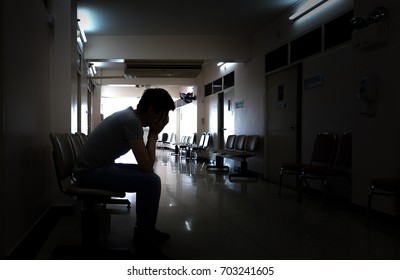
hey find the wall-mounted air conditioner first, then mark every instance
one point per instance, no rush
(162, 69)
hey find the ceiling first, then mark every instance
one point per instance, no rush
(176, 18)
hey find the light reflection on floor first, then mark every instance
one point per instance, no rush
(210, 217)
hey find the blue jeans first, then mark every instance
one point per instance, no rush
(128, 178)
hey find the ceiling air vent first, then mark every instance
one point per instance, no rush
(144, 69)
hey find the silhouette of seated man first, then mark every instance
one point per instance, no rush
(114, 137)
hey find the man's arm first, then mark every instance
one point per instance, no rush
(145, 154)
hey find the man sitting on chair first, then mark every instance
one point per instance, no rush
(115, 136)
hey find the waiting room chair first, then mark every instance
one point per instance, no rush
(239, 147)
(219, 160)
(240, 142)
(200, 152)
(164, 138)
(250, 148)
(230, 143)
(341, 167)
(185, 145)
(90, 198)
(202, 140)
(169, 144)
(383, 186)
(191, 147)
(322, 154)
(76, 148)
(82, 137)
(177, 144)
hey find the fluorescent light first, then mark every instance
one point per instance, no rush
(120, 85)
(219, 64)
(92, 69)
(306, 8)
(82, 33)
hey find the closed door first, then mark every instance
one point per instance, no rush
(282, 121)
(229, 117)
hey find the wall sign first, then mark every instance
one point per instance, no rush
(314, 81)
(239, 104)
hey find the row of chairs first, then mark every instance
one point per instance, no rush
(189, 148)
(183, 147)
(166, 141)
(331, 158)
(188, 140)
(66, 147)
(237, 147)
(200, 151)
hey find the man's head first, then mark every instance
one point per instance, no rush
(154, 105)
(157, 98)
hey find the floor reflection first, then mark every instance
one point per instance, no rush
(210, 217)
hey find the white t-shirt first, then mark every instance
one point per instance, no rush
(109, 140)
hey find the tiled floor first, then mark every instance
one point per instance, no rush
(210, 217)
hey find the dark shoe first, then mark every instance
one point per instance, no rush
(144, 247)
(156, 236)
(161, 237)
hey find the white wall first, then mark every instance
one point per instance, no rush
(333, 106)
(188, 120)
(63, 78)
(35, 103)
(63, 67)
(376, 138)
(181, 47)
(26, 188)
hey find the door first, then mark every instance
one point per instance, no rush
(229, 116)
(221, 125)
(226, 119)
(211, 110)
(283, 115)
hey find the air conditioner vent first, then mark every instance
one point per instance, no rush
(140, 69)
